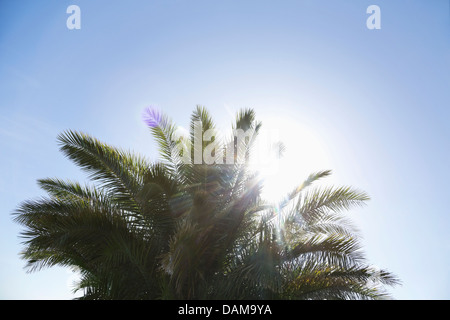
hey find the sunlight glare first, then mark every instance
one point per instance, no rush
(305, 153)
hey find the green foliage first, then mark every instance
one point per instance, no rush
(176, 230)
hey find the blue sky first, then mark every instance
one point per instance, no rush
(372, 105)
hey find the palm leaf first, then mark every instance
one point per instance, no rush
(184, 230)
(118, 171)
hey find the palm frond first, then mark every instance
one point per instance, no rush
(315, 205)
(118, 171)
(68, 190)
(179, 229)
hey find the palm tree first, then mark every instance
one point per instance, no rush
(175, 229)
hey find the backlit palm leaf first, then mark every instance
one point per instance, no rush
(182, 229)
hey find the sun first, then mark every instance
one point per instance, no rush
(304, 152)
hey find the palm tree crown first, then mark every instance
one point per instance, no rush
(175, 229)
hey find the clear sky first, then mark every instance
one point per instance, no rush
(372, 105)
